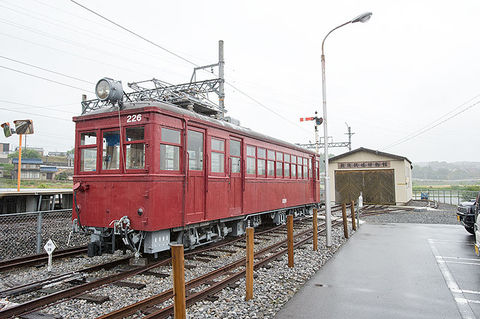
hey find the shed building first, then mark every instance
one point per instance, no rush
(382, 178)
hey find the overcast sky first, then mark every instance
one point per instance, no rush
(412, 66)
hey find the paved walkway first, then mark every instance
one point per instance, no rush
(395, 271)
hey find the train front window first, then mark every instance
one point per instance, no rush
(170, 153)
(135, 148)
(88, 160)
(111, 150)
(89, 138)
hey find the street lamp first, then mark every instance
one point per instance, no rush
(328, 214)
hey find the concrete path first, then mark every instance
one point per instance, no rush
(395, 271)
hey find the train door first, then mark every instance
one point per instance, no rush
(235, 187)
(195, 188)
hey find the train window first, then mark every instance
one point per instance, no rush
(261, 167)
(169, 157)
(271, 168)
(294, 159)
(271, 155)
(261, 161)
(89, 138)
(195, 150)
(287, 158)
(235, 156)
(286, 170)
(310, 168)
(88, 159)
(170, 136)
(250, 150)
(169, 154)
(294, 170)
(279, 164)
(317, 169)
(218, 145)
(135, 156)
(218, 157)
(134, 133)
(135, 148)
(250, 160)
(299, 161)
(111, 150)
(305, 171)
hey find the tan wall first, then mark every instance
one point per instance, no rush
(402, 173)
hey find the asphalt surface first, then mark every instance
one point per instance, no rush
(395, 271)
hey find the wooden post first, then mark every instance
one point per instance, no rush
(178, 282)
(344, 216)
(315, 230)
(352, 210)
(19, 171)
(290, 240)
(249, 265)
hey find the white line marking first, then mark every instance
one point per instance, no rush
(457, 262)
(441, 241)
(462, 304)
(462, 258)
(473, 292)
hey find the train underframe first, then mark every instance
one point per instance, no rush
(121, 236)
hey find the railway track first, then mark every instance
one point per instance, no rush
(40, 258)
(232, 273)
(303, 226)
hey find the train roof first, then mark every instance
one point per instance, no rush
(171, 108)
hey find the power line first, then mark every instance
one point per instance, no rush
(46, 70)
(46, 79)
(36, 114)
(79, 31)
(428, 128)
(135, 34)
(40, 107)
(188, 61)
(73, 54)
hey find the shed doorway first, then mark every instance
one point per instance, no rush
(377, 186)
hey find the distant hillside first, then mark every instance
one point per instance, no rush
(446, 171)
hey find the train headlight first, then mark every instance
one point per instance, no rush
(109, 90)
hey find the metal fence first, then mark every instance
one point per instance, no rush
(24, 234)
(452, 197)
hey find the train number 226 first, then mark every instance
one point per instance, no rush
(134, 118)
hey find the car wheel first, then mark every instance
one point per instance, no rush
(470, 230)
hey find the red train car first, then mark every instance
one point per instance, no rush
(151, 173)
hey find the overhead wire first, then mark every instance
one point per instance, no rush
(40, 106)
(36, 114)
(435, 123)
(35, 15)
(46, 70)
(188, 61)
(46, 79)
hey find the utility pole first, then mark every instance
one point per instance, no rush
(349, 133)
(221, 75)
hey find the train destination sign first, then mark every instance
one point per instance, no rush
(367, 164)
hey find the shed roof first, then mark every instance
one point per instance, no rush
(367, 150)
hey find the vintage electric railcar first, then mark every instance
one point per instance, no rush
(151, 173)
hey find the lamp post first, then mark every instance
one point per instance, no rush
(328, 214)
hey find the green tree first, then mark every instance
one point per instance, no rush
(27, 153)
